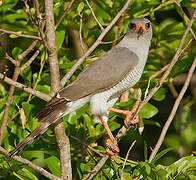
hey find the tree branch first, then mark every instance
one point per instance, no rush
(20, 35)
(30, 164)
(64, 13)
(62, 139)
(94, 16)
(96, 168)
(173, 112)
(39, 94)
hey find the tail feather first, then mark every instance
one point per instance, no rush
(47, 120)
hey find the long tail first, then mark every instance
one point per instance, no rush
(48, 117)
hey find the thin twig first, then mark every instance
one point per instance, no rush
(127, 155)
(30, 164)
(27, 89)
(94, 16)
(96, 168)
(119, 28)
(39, 24)
(20, 35)
(64, 14)
(110, 42)
(173, 112)
(27, 51)
(184, 16)
(80, 33)
(7, 56)
(89, 147)
(32, 58)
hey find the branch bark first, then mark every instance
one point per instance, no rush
(62, 139)
(39, 94)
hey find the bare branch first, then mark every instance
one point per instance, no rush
(127, 155)
(184, 17)
(173, 112)
(32, 58)
(27, 51)
(97, 168)
(89, 147)
(119, 27)
(30, 164)
(64, 13)
(80, 32)
(20, 35)
(94, 16)
(62, 139)
(9, 99)
(39, 94)
(7, 56)
(110, 42)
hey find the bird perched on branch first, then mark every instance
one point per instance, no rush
(100, 84)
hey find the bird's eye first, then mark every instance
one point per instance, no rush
(148, 25)
(132, 25)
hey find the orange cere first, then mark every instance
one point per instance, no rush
(138, 27)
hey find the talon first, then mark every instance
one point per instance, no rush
(129, 115)
(110, 150)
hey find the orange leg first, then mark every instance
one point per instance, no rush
(127, 113)
(110, 141)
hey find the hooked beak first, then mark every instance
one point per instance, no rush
(140, 29)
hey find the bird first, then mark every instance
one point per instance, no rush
(100, 84)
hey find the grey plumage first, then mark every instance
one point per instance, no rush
(100, 83)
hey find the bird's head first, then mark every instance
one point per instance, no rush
(140, 27)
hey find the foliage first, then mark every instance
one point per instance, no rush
(168, 27)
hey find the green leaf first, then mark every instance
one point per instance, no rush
(148, 111)
(146, 167)
(89, 124)
(13, 36)
(54, 165)
(27, 108)
(3, 91)
(26, 75)
(149, 122)
(60, 36)
(160, 94)
(43, 88)
(182, 165)
(26, 174)
(182, 65)
(161, 154)
(15, 52)
(80, 7)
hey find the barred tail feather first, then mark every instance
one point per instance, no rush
(45, 123)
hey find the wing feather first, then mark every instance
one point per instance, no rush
(101, 74)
